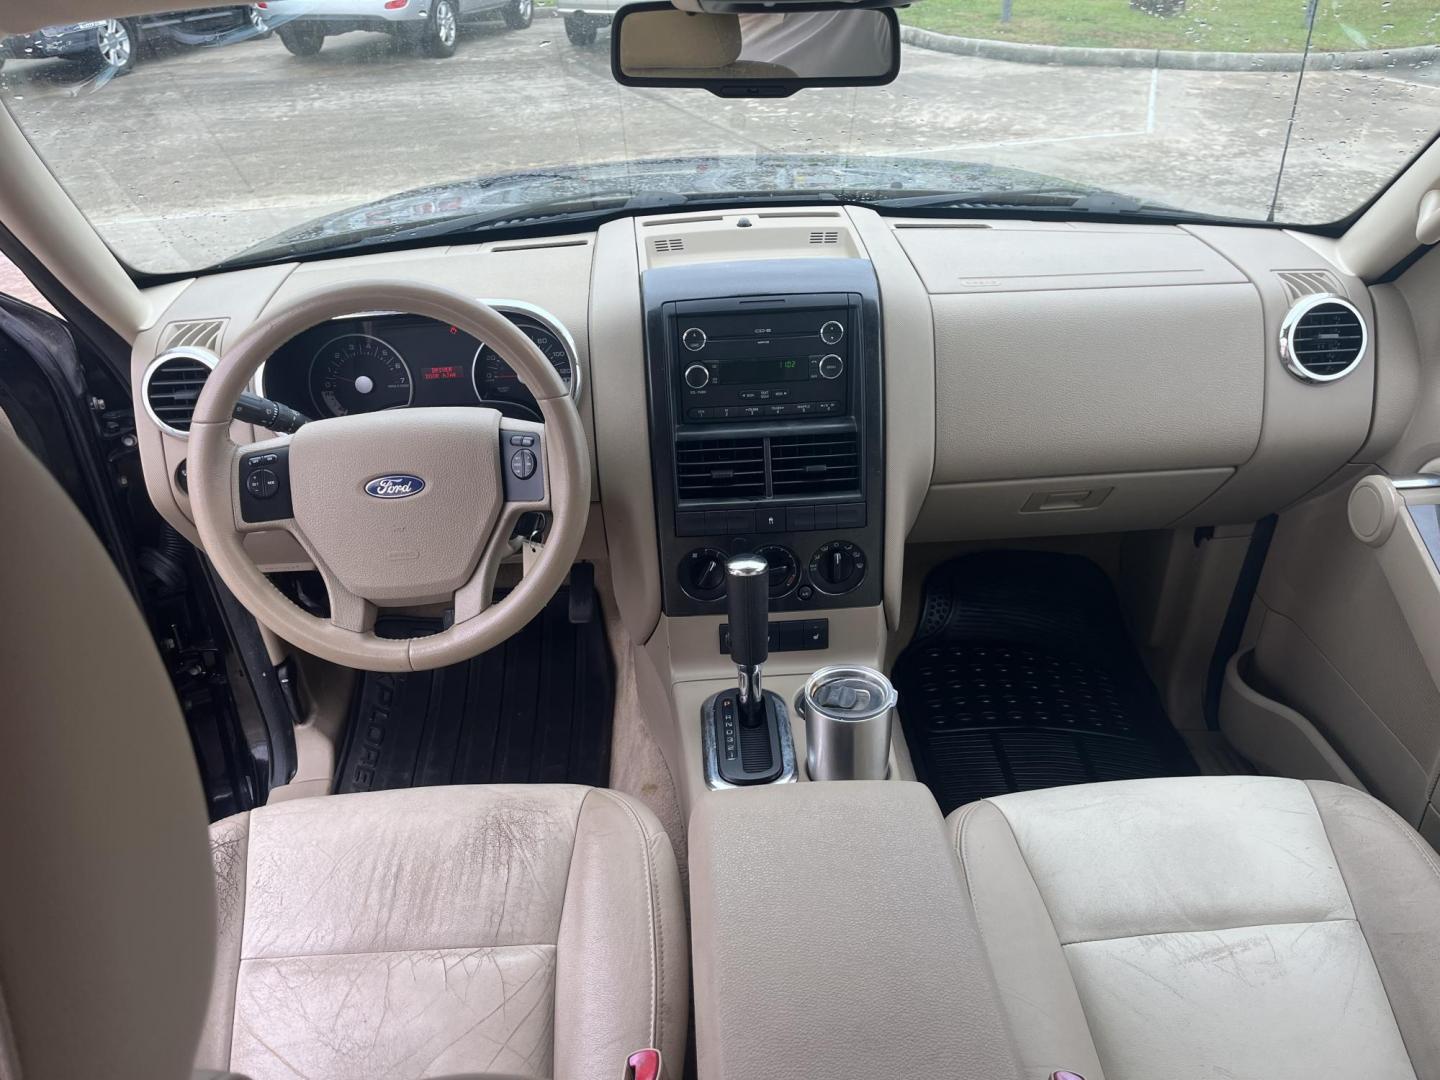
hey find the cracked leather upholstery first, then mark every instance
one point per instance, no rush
(1237, 927)
(523, 931)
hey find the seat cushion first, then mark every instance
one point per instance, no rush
(1238, 927)
(529, 930)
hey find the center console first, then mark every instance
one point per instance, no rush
(766, 435)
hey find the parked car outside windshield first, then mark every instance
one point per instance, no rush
(368, 121)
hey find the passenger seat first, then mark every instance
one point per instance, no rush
(1243, 927)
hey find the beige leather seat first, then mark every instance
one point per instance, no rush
(1240, 927)
(533, 931)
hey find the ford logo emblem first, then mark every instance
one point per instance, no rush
(397, 486)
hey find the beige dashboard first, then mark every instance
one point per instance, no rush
(1039, 378)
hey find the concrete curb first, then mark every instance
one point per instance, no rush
(1173, 59)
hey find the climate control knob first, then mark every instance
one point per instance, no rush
(838, 567)
(702, 574)
(784, 569)
(831, 367)
(697, 376)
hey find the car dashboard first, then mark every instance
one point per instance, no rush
(984, 380)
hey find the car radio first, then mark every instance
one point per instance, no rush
(762, 365)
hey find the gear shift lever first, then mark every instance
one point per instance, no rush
(748, 593)
(745, 730)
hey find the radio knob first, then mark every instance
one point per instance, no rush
(831, 332)
(693, 339)
(831, 367)
(697, 376)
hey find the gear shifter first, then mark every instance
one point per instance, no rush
(746, 730)
(748, 596)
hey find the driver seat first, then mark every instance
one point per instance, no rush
(521, 931)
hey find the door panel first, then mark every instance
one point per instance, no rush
(1334, 637)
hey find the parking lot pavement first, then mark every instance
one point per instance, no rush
(197, 155)
(13, 283)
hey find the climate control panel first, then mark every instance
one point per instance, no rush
(835, 568)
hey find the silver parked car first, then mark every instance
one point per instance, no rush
(433, 26)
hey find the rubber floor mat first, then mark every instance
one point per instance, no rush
(536, 709)
(1022, 676)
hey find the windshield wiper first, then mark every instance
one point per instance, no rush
(578, 210)
(1067, 199)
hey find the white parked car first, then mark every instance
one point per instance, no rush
(431, 25)
(585, 18)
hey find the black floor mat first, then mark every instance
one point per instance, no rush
(1022, 676)
(537, 709)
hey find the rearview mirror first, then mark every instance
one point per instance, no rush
(769, 54)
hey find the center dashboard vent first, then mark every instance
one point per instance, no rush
(1322, 338)
(720, 468)
(814, 464)
(171, 388)
(796, 466)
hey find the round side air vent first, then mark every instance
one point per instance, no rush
(1323, 338)
(172, 385)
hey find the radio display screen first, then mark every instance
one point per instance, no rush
(745, 372)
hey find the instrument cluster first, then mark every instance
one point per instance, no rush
(370, 362)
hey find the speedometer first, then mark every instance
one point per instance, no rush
(357, 373)
(495, 381)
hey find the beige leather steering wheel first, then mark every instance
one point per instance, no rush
(396, 508)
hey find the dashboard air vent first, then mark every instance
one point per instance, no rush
(172, 385)
(199, 333)
(818, 464)
(1322, 339)
(674, 243)
(720, 468)
(826, 236)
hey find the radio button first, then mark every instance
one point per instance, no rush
(693, 339)
(831, 332)
(827, 407)
(697, 414)
(831, 366)
(697, 376)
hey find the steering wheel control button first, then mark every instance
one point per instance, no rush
(837, 567)
(262, 483)
(520, 451)
(697, 376)
(693, 339)
(831, 366)
(831, 332)
(523, 464)
(265, 486)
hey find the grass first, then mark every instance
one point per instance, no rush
(1208, 25)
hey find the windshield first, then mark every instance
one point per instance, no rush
(235, 134)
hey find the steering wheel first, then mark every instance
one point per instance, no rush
(396, 508)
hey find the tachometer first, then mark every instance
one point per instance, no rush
(358, 373)
(494, 381)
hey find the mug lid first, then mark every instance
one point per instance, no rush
(848, 692)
